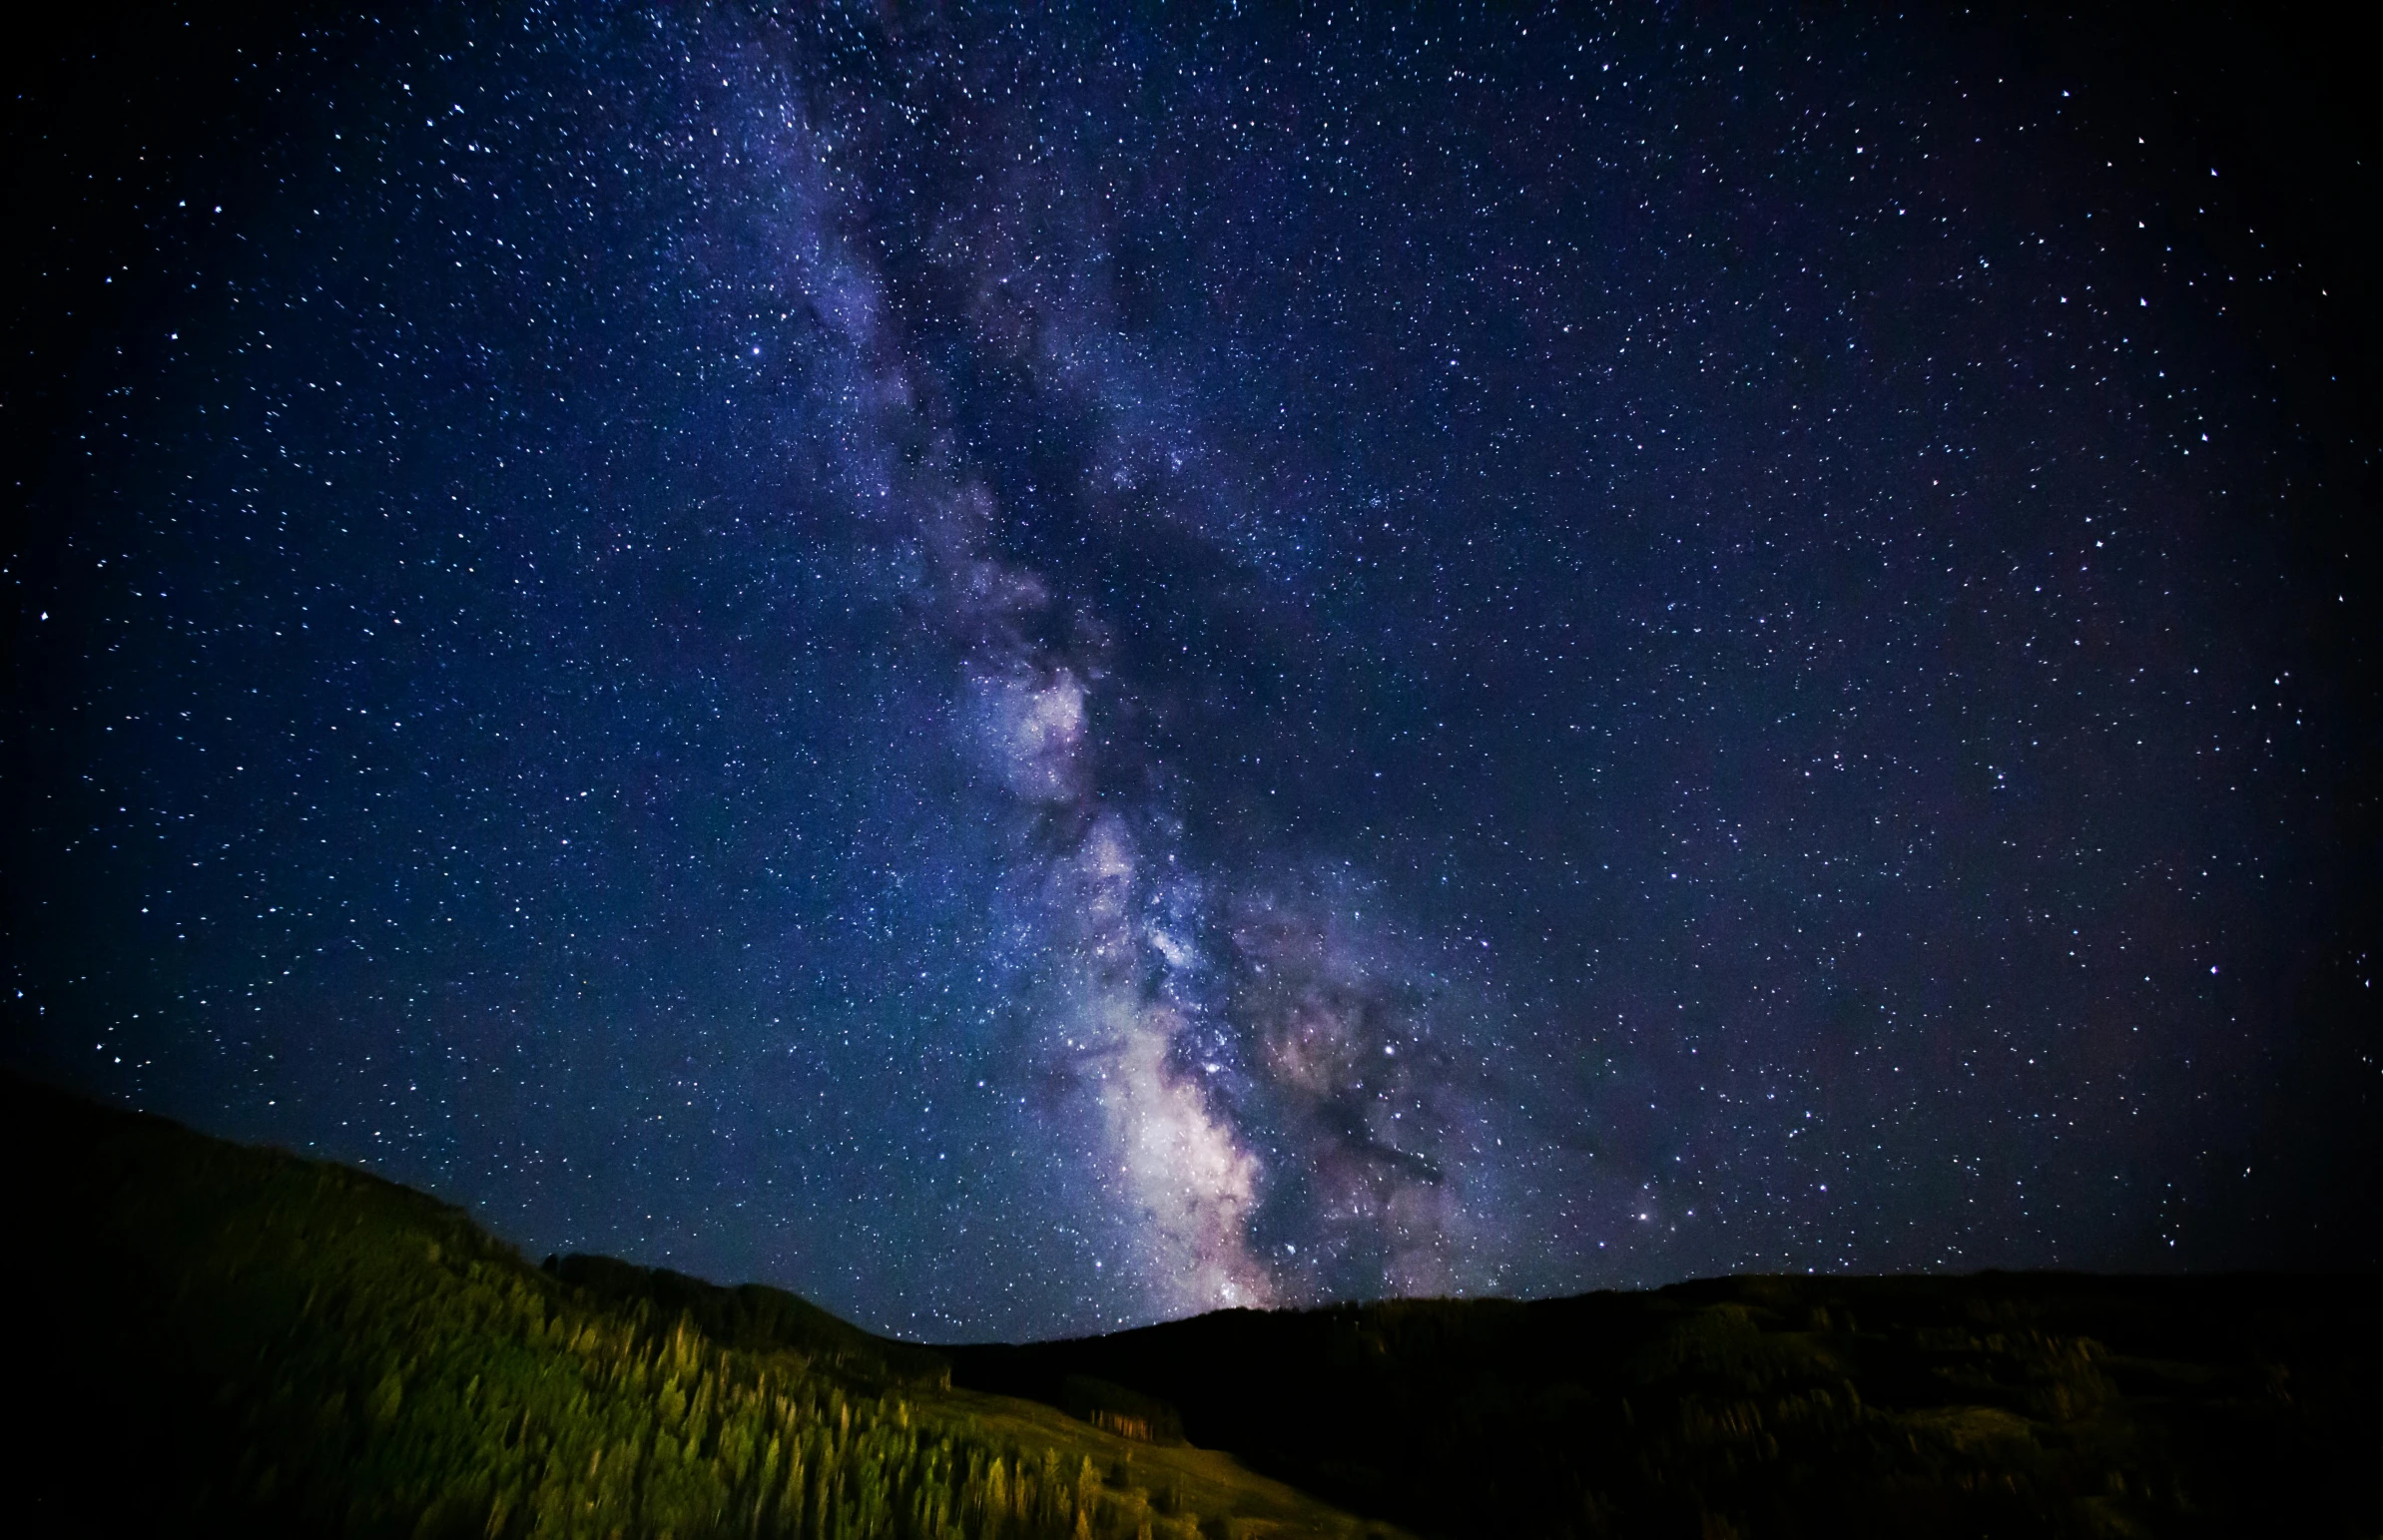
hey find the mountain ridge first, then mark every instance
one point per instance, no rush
(283, 1344)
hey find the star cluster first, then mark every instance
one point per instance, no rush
(1029, 673)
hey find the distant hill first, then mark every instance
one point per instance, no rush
(230, 1340)
(1999, 1404)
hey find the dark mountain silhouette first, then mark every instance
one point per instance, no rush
(2000, 1403)
(228, 1338)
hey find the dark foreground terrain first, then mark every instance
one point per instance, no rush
(235, 1339)
(1996, 1404)
(232, 1340)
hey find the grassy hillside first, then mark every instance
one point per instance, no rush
(230, 1339)
(2014, 1405)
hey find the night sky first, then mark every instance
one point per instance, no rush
(1026, 675)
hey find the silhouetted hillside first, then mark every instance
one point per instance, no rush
(1999, 1404)
(231, 1340)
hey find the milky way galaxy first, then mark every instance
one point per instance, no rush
(1027, 673)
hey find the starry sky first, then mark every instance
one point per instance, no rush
(1028, 672)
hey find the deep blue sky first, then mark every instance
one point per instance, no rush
(1025, 675)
